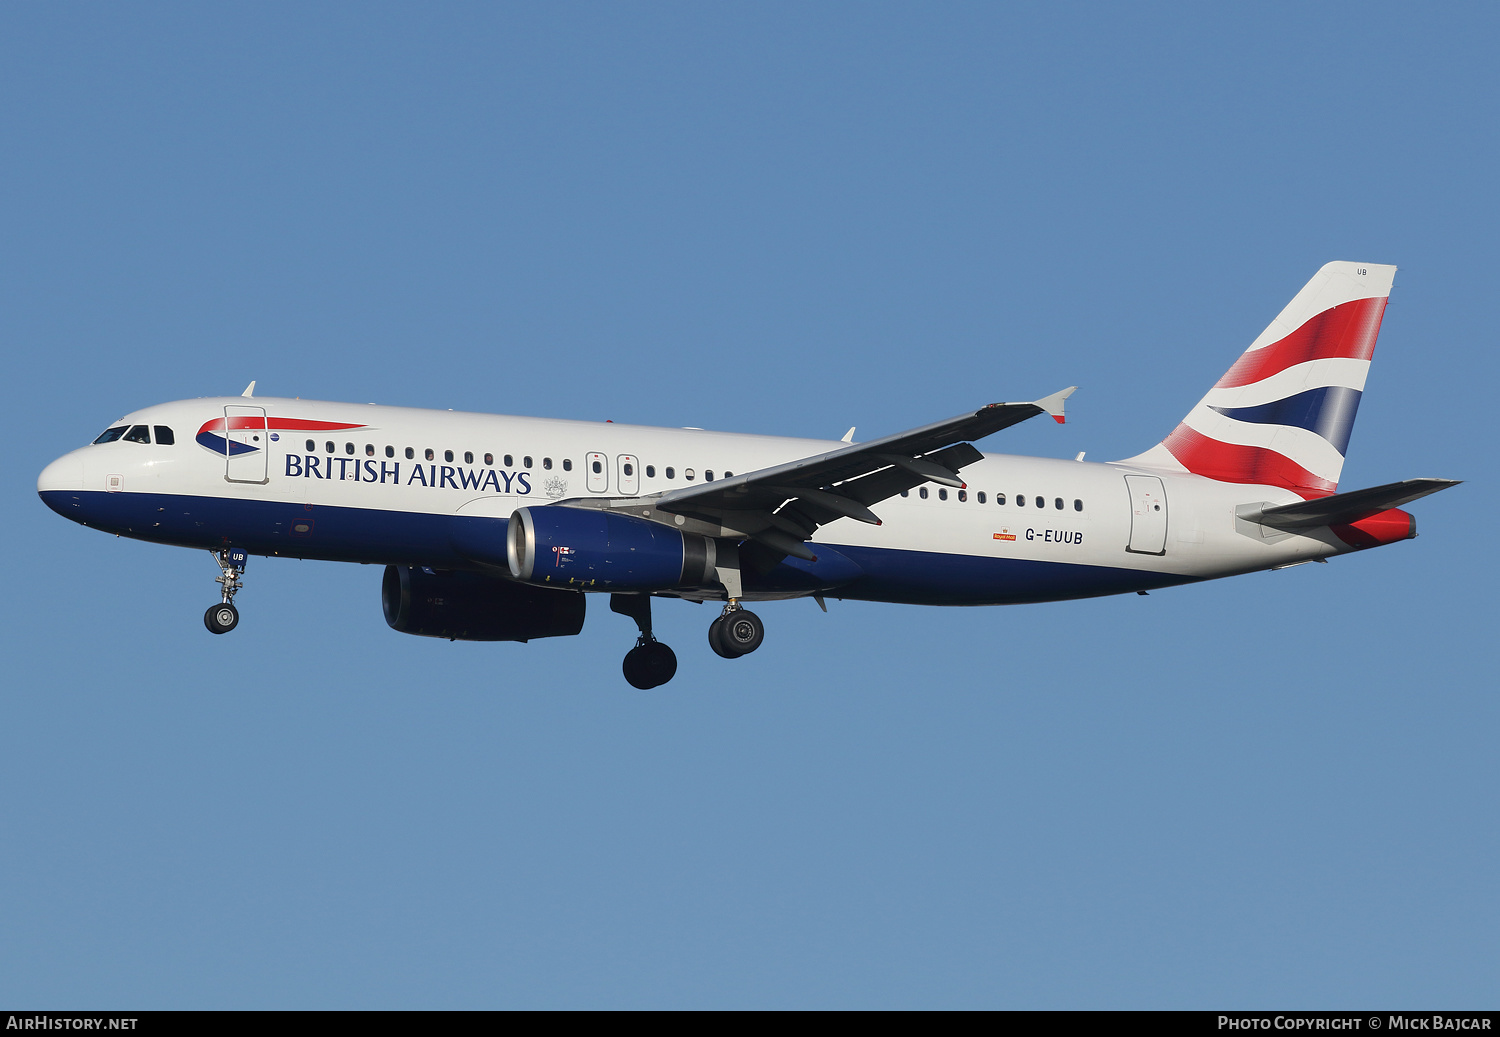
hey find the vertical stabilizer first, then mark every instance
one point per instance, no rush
(1281, 416)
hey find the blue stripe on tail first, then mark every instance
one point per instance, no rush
(1328, 411)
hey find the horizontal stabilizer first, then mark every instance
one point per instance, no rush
(1341, 508)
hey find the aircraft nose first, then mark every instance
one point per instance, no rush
(66, 473)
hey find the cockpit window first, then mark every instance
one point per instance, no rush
(138, 434)
(109, 435)
(164, 436)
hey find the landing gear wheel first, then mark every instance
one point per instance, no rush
(221, 619)
(649, 665)
(743, 632)
(660, 663)
(716, 640)
(736, 633)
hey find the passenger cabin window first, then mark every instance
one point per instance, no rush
(138, 434)
(689, 474)
(708, 475)
(906, 493)
(428, 454)
(109, 435)
(1020, 500)
(468, 457)
(999, 498)
(651, 471)
(329, 446)
(348, 448)
(979, 496)
(729, 475)
(369, 449)
(447, 455)
(597, 466)
(567, 464)
(410, 453)
(1058, 504)
(510, 462)
(963, 495)
(164, 436)
(525, 462)
(629, 469)
(922, 493)
(1078, 505)
(489, 460)
(311, 446)
(390, 451)
(547, 463)
(942, 494)
(671, 473)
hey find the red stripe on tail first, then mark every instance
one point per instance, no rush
(1348, 331)
(1230, 462)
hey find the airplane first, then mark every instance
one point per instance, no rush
(496, 528)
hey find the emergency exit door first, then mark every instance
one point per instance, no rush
(628, 479)
(1148, 515)
(246, 444)
(596, 469)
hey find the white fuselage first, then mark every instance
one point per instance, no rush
(387, 487)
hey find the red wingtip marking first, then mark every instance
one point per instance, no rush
(1058, 418)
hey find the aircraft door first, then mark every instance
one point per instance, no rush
(1148, 515)
(246, 444)
(628, 481)
(596, 467)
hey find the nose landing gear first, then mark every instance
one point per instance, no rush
(224, 617)
(737, 632)
(650, 664)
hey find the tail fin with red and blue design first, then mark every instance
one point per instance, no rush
(1281, 416)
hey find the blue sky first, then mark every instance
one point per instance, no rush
(1278, 790)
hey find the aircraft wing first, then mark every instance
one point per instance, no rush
(782, 506)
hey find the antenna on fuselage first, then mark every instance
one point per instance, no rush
(249, 390)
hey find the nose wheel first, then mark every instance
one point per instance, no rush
(224, 617)
(737, 632)
(221, 619)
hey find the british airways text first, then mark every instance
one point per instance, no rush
(433, 476)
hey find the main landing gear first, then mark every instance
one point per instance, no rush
(224, 617)
(737, 632)
(650, 664)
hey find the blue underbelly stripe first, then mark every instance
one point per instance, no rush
(459, 542)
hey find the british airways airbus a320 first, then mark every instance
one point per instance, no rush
(498, 528)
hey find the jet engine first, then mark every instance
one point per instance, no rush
(563, 546)
(465, 606)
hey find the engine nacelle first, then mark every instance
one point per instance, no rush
(471, 607)
(580, 547)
